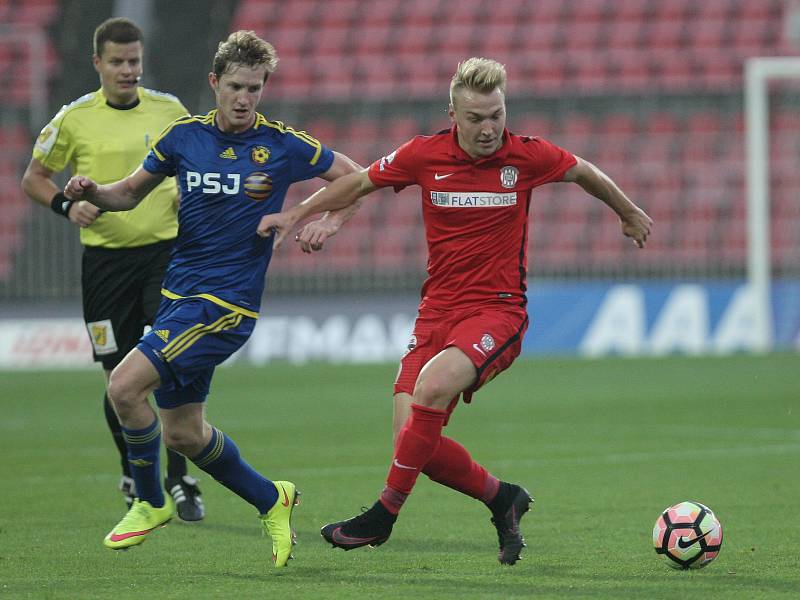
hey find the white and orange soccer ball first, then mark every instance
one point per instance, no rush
(687, 535)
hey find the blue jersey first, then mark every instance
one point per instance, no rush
(228, 181)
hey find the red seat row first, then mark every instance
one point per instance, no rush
(18, 63)
(339, 49)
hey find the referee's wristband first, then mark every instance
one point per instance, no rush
(60, 204)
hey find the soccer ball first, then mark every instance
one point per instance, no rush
(687, 535)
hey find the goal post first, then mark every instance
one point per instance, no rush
(758, 73)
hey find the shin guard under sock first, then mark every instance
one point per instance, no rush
(221, 460)
(144, 449)
(416, 444)
(453, 466)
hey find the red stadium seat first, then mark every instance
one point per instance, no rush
(531, 124)
(399, 130)
(324, 130)
(632, 69)
(707, 33)
(288, 41)
(629, 10)
(625, 34)
(758, 9)
(674, 10)
(16, 142)
(332, 41)
(539, 36)
(340, 13)
(392, 245)
(497, 38)
(371, 42)
(589, 70)
(617, 124)
(754, 35)
(377, 14)
(715, 9)
(583, 36)
(35, 12)
(590, 11)
(455, 38)
(674, 71)
(664, 34)
(375, 79)
(418, 12)
(543, 75)
(514, 11)
(300, 15)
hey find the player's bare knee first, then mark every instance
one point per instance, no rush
(122, 394)
(433, 392)
(183, 441)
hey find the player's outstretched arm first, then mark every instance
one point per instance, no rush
(124, 194)
(634, 221)
(343, 192)
(312, 236)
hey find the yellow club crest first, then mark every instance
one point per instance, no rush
(99, 335)
(259, 154)
(46, 133)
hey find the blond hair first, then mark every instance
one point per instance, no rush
(244, 48)
(482, 75)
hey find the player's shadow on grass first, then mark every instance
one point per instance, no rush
(443, 546)
(245, 530)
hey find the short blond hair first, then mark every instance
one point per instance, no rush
(482, 75)
(244, 48)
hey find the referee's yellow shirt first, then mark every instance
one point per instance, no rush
(107, 144)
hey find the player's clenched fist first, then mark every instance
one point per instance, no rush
(78, 187)
(81, 213)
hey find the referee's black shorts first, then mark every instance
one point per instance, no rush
(121, 293)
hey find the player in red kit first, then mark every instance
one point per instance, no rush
(476, 182)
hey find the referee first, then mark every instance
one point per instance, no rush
(105, 135)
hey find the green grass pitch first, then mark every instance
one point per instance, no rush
(603, 446)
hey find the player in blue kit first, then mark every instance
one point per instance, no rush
(233, 167)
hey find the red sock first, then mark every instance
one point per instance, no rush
(452, 465)
(416, 443)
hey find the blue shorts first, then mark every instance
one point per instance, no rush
(190, 337)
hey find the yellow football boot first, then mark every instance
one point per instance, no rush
(141, 519)
(278, 522)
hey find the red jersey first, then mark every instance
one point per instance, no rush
(475, 211)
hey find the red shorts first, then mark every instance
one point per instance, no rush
(491, 336)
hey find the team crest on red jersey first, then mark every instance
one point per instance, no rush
(487, 342)
(412, 343)
(387, 160)
(508, 176)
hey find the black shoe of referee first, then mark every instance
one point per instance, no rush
(186, 494)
